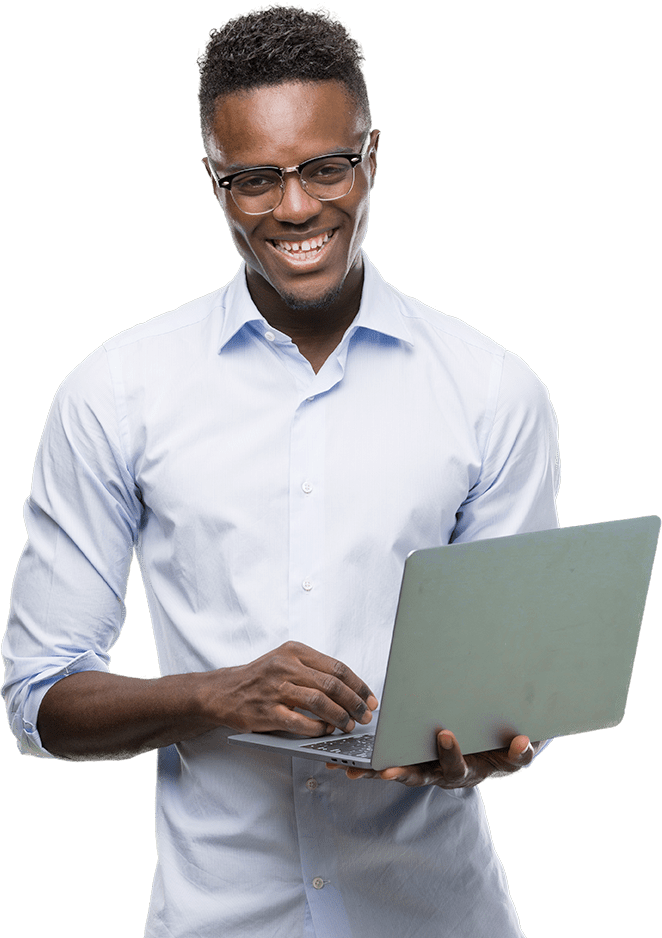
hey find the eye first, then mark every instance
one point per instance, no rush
(328, 171)
(256, 183)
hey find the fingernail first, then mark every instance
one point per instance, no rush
(446, 741)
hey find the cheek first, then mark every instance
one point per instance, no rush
(361, 219)
(241, 235)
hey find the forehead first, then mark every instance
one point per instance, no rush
(284, 124)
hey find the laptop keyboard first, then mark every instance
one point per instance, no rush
(360, 746)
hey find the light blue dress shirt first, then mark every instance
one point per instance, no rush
(265, 503)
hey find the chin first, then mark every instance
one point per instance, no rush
(300, 303)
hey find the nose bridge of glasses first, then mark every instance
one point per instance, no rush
(292, 169)
(292, 183)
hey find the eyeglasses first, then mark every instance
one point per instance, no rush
(260, 189)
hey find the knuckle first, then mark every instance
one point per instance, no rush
(291, 648)
(456, 775)
(340, 671)
(290, 721)
(277, 661)
(318, 704)
(330, 686)
(315, 700)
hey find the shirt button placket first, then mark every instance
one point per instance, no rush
(306, 503)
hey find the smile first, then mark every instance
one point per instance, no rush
(302, 252)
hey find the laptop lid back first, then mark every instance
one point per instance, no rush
(534, 633)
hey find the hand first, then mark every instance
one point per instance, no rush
(453, 770)
(261, 696)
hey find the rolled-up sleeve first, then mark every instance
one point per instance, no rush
(82, 518)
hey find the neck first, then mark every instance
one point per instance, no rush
(315, 329)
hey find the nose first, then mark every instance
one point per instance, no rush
(297, 205)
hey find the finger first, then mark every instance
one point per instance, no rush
(353, 771)
(341, 672)
(315, 701)
(425, 773)
(320, 688)
(453, 765)
(282, 717)
(359, 704)
(395, 773)
(521, 750)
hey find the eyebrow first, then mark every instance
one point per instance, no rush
(240, 167)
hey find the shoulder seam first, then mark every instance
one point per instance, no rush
(141, 330)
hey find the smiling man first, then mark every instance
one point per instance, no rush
(299, 224)
(272, 452)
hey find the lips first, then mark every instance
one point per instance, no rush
(304, 251)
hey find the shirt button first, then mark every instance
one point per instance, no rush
(311, 784)
(307, 487)
(311, 398)
(269, 336)
(307, 585)
(318, 882)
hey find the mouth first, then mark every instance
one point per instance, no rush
(304, 252)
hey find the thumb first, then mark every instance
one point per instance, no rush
(521, 749)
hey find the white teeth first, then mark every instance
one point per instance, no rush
(299, 247)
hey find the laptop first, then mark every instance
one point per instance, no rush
(531, 634)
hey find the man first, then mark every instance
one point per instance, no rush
(273, 452)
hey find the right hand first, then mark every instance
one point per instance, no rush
(261, 696)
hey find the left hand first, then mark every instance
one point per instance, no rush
(453, 770)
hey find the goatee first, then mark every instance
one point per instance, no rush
(323, 302)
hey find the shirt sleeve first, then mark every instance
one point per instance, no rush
(82, 517)
(519, 477)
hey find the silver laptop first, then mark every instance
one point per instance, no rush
(533, 634)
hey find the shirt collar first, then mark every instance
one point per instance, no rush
(381, 309)
(239, 308)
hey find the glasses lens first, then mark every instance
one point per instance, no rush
(259, 191)
(328, 178)
(256, 192)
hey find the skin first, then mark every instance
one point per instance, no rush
(96, 715)
(283, 126)
(453, 770)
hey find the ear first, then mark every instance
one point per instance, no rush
(205, 160)
(205, 163)
(372, 155)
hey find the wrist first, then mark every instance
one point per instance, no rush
(212, 699)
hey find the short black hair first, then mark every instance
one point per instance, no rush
(276, 45)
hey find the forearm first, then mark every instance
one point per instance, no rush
(96, 715)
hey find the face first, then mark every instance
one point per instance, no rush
(283, 126)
